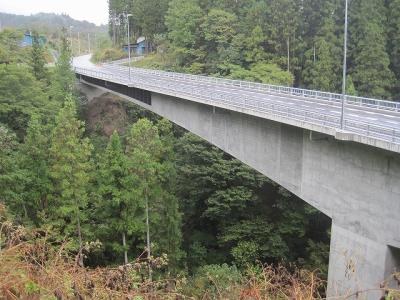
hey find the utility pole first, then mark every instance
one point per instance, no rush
(88, 37)
(344, 65)
(129, 46)
(79, 45)
(70, 37)
(315, 55)
(113, 26)
(288, 54)
(148, 239)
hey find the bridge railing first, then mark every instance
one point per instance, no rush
(124, 60)
(252, 103)
(262, 87)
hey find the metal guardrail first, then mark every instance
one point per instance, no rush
(124, 60)
(262, 87)
(251, 103)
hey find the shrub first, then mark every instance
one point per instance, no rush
(214, 282)
(108, 54)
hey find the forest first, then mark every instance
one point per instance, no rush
(150, 201)
(285, 42)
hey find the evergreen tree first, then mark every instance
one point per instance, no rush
(149, 16)
(219, 29)
(118, 205)
(33, 164)
(323, 61)
(144, 149)
(322, 67)
(282, 24)
(369, 58)
(254, 46)
(9, 191)
(168, 231)
(69, 170)
(64, 78)
(21, 96)
(38, 60)
(394, 42)
(183, 20)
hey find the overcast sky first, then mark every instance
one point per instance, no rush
(95, 11)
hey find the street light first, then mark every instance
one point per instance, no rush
(344, 66)
(129, 46)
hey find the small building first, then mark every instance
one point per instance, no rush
(138, 48)
(27, 40)
(141, 45)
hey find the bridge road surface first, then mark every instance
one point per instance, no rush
(370, 116)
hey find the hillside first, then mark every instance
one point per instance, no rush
(48, 22)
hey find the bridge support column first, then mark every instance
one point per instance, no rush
(358, 264)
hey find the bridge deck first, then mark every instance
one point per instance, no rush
(369, 121)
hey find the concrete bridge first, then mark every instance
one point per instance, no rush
(349, 170)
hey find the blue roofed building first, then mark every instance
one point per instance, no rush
(141, 46)
(27, 40)
(138, 48)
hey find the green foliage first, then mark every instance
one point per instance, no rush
(38, 59)
(148, 17)
(70, 167)
(35, 179)
(213, 280)
(394, 41)
(21, 96)
(256, 40)
(108, 54)
(268, 241)
(263, 72)
(254, 46)
(144, 150)
(370, 69)
(246, 253)
(10, 52)
(318, 257)
(168, 230)
(118, 209)
(8, 147)
(183, 20)
(63, 78)
(225, 203)
(219, 28)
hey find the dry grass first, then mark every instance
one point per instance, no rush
(32, 267)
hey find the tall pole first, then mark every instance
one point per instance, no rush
(88, 37)
(129, 47)
(79, 45)
(344, 66)
(70, 37)
(148, 239)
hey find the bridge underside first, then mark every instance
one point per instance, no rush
(354, 184)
